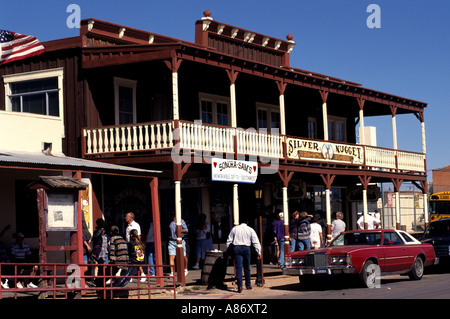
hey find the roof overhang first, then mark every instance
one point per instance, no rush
(38, 161)
(121, 45)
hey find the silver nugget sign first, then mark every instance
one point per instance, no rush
(324, 151)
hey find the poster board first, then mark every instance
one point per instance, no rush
(61, 211)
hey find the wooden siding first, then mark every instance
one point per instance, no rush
(244, 51)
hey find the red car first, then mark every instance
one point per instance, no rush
(365, 253)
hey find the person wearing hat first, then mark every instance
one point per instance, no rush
(21, 253)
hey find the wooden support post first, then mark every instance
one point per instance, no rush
(156, 230)
(365, 180)
(178, 171)
(397, 184)
(328, 180)
(79, 235)
(286, 177)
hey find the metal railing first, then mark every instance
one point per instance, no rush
(68, 281)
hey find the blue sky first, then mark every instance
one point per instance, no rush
(408, 56)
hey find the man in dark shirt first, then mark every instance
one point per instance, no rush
(118, 250)
(304, 231)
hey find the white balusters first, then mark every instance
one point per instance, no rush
(147, 140)
(141, 138)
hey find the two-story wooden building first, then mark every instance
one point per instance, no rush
(140, 99)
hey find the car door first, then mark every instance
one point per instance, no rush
(397, 254)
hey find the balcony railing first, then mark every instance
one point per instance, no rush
(165, 135)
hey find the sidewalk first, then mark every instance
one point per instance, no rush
(193, 284)
(194, 276)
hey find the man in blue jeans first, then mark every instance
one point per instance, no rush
(242, 237)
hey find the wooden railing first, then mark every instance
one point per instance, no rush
(195, 136)
(189, 135)
(125, 138)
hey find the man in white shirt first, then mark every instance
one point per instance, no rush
(372, 222)
(242, 237)
(132, 224)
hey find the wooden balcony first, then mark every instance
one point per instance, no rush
(162, 137)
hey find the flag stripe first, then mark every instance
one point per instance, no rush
(19, 41)
(21, 46)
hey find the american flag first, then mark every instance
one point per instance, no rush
(16, 46)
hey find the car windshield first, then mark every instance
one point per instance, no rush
(438, 229)
(362, 238)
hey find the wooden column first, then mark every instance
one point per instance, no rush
(286, 177)
(41, 203)
(156, 230)
(397, 183)
(173, 66)
(420, 116)
(394, 126)
(362, 133)
(232, 75)
(425, 203)
(79, 233)
(324, 95)
(282, 87)
(235, 205)
(365, 180)
(178, 171)
(328, 180)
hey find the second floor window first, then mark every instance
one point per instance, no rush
(336, 129)
(312, 127)
(40, 96)
(214, 109)
(125, 101)
(268, 117)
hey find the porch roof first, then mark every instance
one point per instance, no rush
(60, 162)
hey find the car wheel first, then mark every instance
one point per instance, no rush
(369, 275)
(417, 269)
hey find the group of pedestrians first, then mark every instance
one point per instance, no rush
(19, 253)
(305, 230)
(108, 246)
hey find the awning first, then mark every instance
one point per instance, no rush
(60, 182)
(60, 162)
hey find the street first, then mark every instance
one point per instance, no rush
(434, 285)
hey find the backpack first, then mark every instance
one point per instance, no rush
(139, 254)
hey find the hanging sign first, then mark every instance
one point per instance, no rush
(237, 171)
(324, 151)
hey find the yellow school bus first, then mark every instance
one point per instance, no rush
(439, 206)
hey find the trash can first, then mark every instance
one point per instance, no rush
(214, 269)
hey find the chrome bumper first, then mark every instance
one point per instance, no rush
(300, 271)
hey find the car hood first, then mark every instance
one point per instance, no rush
(335, 250)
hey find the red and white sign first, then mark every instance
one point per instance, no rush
(225, 170)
